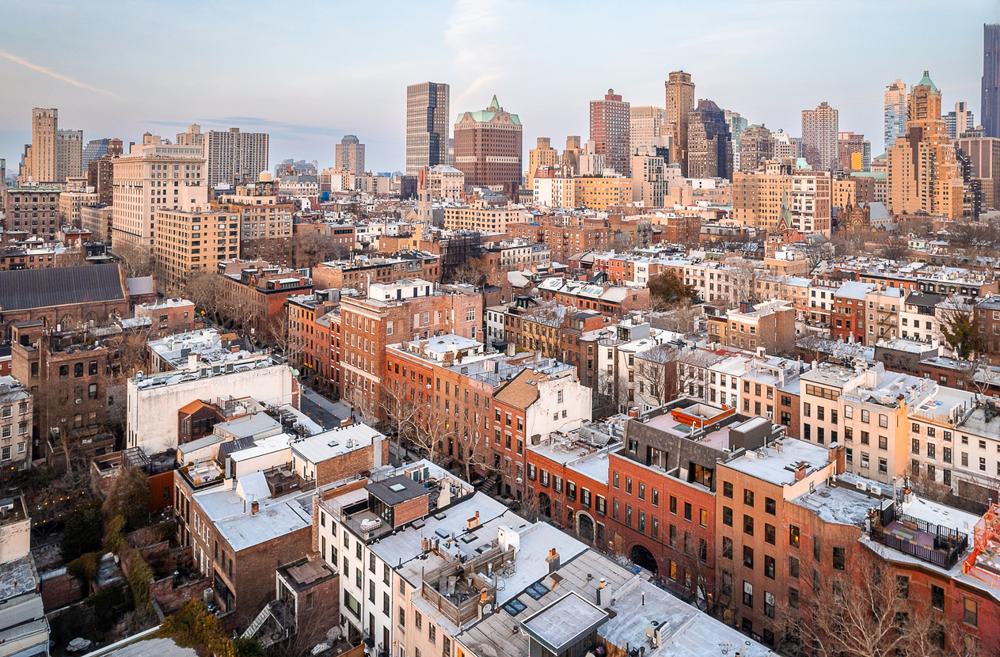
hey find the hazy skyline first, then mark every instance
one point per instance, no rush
(310, 72)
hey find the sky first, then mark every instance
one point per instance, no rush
(309, 72)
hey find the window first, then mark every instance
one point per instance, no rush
(727, 516)
(768, 604)
(793, 567)
(794, 538)
(970, 613)
(903, 586)
(793, 597)
(417, 619)
(839, 558)
(687, 510)
(817, 549)
(937, 597)
(769, 566)
(727, 547)
(769, 506)
(747, 594)
(727, 489)
(748, 525)
(748, 556)
(601, 505)
(769, 534)
(748, 497)
(703, 517)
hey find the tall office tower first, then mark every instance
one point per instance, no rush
(756, 148)
(819, 136)
(984, 157)
(69, 154)
(680, 102)
(647, 128)
(990, 109)
(923, 173)
(571, 155)
(896, 100)
(737, 124)
(235, 157)
(710, 146)
(95, 150)
(426, 126)
(44, 130)
(100, 172)
(488, 148)
(154, 176)
(959, 120)
(610, 129)
(542, 155)
(3, 175)
(349, 155)
(192, 137)
(854, 153)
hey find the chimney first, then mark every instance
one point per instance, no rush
(254, 507)
(633, 413)
(552, 560)
(800, 471)
(600, 591)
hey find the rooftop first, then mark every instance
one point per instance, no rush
(778, 462)
(335, 442)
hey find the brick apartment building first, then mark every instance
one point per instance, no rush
(166, 316)
(310, 336)
(609, 300)
(391, 313)
(33, 209)
(769, 326)
(566, 234)
(361, 271)
(253, 296)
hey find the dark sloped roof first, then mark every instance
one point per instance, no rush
(40, 288)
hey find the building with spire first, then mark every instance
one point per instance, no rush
(924, 175)
(488, 148)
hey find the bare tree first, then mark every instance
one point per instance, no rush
(868, 613)
(136, 259)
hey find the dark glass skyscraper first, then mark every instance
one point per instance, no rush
(991, 80)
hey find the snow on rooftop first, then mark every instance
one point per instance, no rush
(336, 442)
(775, 463)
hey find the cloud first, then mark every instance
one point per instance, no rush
(478, 34)
(55, 75)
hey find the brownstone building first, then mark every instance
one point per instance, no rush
(310, 336)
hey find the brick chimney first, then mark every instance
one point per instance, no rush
(552, 560)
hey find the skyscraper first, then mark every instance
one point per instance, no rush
(680, 102)
(647, 127)
(990, 110)
(610, 129)
(959, 120)
(923, 172)
(349, 155)
(710, 146)
(95, 150)
(488, 148)
(235, 157)
(44, 144)
(895, 103)
(756, 148)
(737, 124)
(69, 154)
(426, 126)
(571, 155)
(819, 136)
